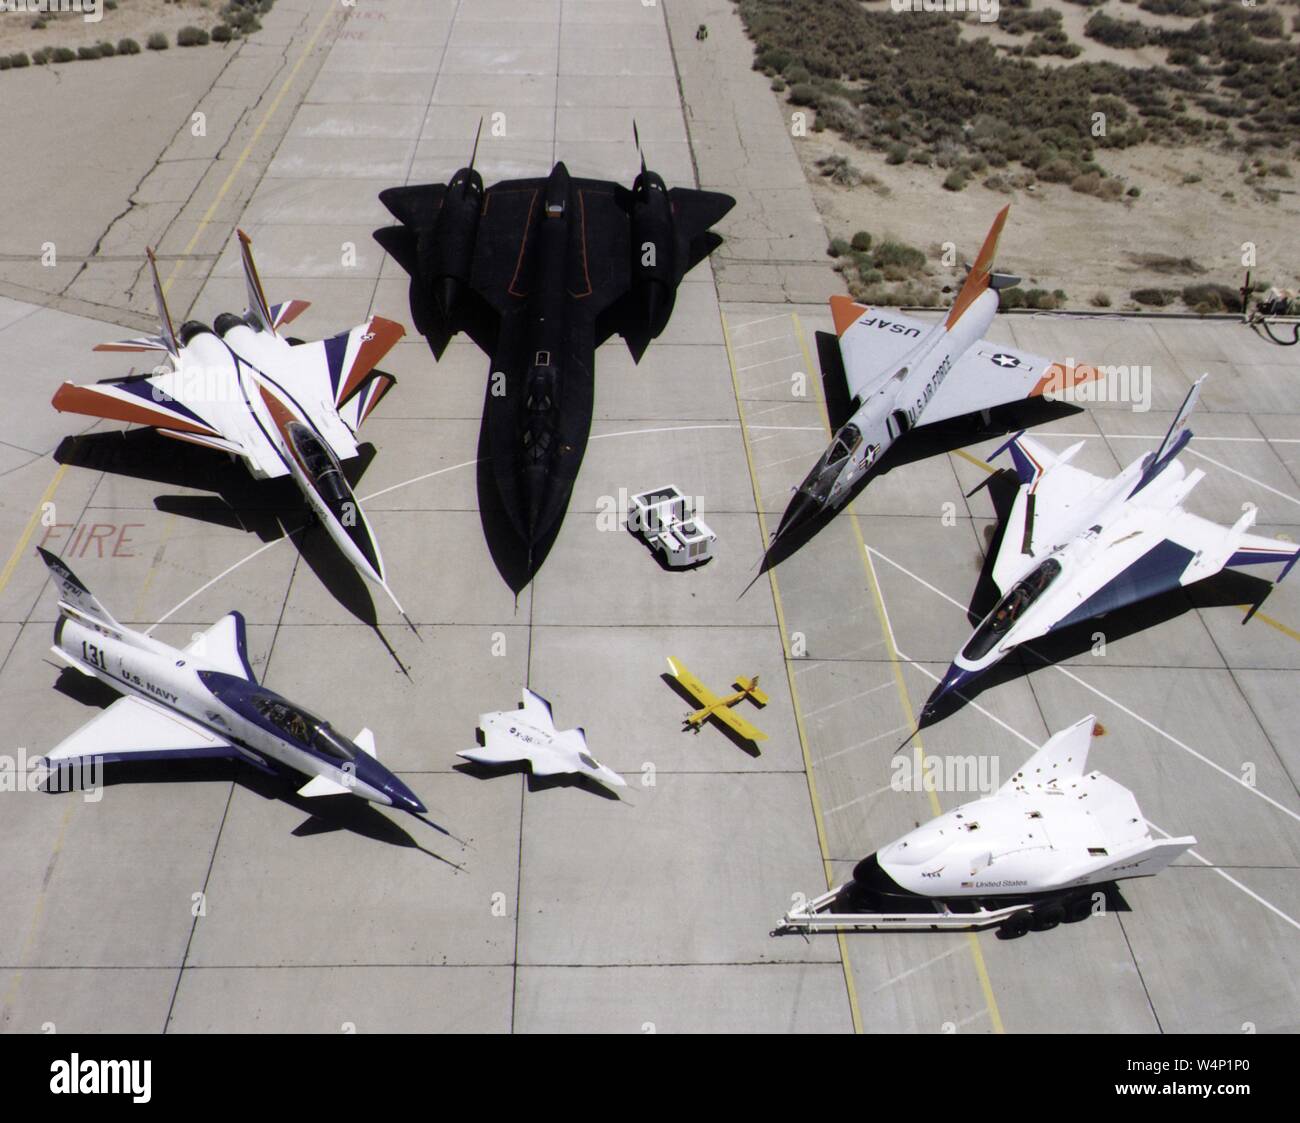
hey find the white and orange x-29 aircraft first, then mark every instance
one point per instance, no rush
(902, 373)
(719, 706)
(284, 407)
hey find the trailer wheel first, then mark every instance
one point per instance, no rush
(1046, 917)
(1077, 909)
(1015, 926)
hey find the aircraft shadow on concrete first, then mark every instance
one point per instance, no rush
(742, 743)
(480, 771)
(1225, 588)
(270, 509)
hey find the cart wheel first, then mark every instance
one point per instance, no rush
(1015, 926)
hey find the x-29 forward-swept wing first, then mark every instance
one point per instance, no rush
(202, 702)
(285, 408)
(1077, 546)
(902, 373)
(540, 272)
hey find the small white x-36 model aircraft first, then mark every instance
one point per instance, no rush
(284, 408)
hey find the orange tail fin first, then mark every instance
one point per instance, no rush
(977, 280)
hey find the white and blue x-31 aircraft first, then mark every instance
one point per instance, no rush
(202, 702)
(1077, 546)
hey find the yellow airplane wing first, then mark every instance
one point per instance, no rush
(693, 686)
(739, 725)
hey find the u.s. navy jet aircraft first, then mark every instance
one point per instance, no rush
(540, 272)
(529, 733)
(202, 702)
(285, 408)
(1077, 546)
(902, 373)
(1024, 854)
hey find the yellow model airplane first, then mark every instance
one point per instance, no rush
(720, 707)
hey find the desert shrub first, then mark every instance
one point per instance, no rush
(5, 62)
(897, 153)
(898, 254)
(838, 247)
(1100, 300)
(1156, 298)
(20, 59)
(1174, 7)
(157, 41)
(1212, 298)
(1042, 300)
(90, 52)
(1013, 297)
(128, 47)
(62, 54)
(1058, 171)
(955, 180)
(191, 37)
(1116, 32)
(106, 49)
(861, 241)
(222, 34)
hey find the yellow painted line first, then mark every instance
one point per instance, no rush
(975, 460)
(30, 529)
(977, 954)
(248, 148)
(11, 992)
(818, 819)
(1267, 620)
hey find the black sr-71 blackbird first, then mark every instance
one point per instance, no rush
(539, 273)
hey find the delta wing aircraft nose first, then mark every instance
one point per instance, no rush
(956, 678)
(376, 777)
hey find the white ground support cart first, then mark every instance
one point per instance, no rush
(662, 519)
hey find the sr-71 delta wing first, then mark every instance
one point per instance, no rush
(539, 272)
(283, 407)
(1077, 546)
(902, 373)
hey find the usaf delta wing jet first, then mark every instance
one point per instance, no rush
(202, 702)
(284, 408)
(1077, 546)
(902, 373)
